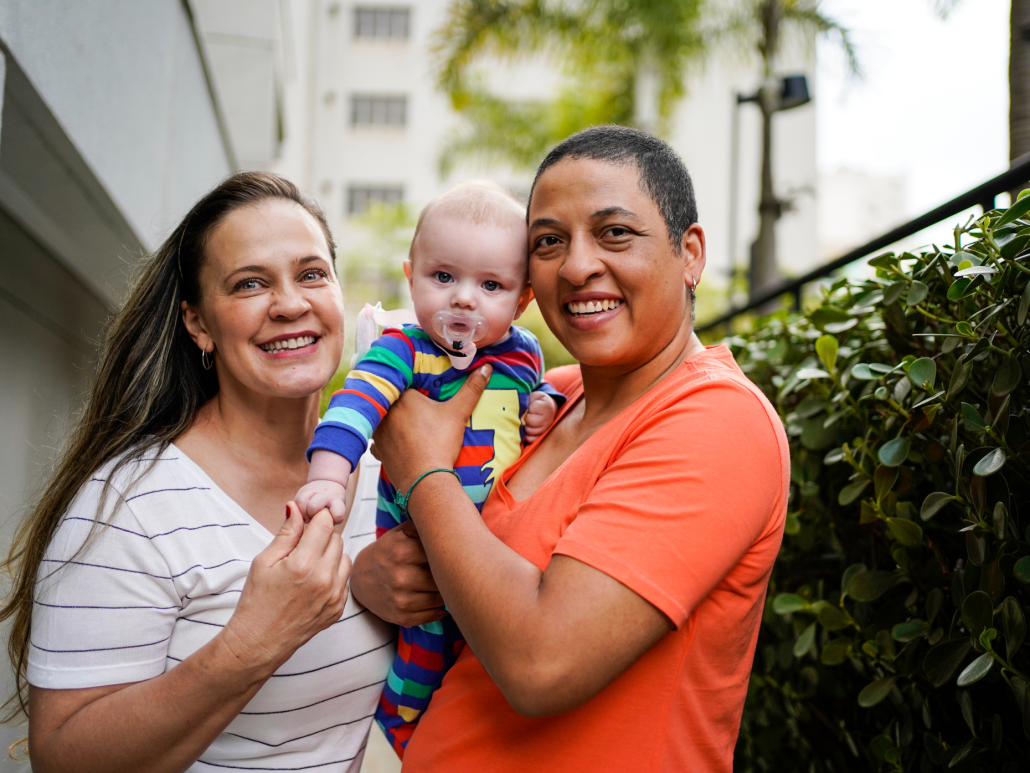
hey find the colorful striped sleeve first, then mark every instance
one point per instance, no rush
(375, 383)
(530, 343)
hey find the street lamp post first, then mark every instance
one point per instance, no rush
(774, 96)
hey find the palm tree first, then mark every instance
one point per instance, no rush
(610, 51)
(606, 50)
(763, 26)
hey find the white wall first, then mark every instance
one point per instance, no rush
(339, 154)
(109, 135)
(124, 80)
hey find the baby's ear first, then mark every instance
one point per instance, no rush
(524, 301)
(407, 269)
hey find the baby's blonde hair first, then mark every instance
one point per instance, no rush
(480, 202)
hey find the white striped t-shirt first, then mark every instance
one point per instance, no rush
(165, 577)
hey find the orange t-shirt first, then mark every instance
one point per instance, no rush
(681, 498)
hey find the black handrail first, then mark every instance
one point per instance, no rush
(982, 195)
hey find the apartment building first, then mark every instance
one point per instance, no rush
(374, 125)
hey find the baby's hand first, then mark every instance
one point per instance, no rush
(316, 495)
(540, 415)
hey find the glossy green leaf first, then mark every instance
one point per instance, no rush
(977, 612)
(894, 452)
(934, 600)
(825, 315)
(991, 463)
(827, 347)
(852, 491)
(884, 479)
(812, 405)
(805, 641)
(1021, 570)
(959, 377)
(1007, 378)
(958, 288)
(933, 504)
(964, 328)
(998, 519)
(1016, 211)
(913, 629)
(870, 585)
(880, 746)
(833, 618)
(941, 662)
(966, 704)
(917, 293)
(1024, 306)
(874, 693)
(786, 603)
(835, 651)
(863, 372)
(811, 373)
(977, 271)
(884, 261)
(976, 670)
(976, 548)
(1013, 625)
(972, 418)
(923, 373)
(893, 291)
(908, 533)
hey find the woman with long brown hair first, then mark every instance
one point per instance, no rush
(166, 616)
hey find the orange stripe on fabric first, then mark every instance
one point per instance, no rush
(378, 407)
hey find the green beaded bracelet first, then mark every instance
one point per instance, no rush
(401, 500)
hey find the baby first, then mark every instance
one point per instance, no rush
(468, 275)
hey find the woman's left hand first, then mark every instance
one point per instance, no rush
(419, 434)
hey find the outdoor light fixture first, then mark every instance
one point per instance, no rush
(793, 92)
(777, 95)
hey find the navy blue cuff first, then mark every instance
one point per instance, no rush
(341, 441)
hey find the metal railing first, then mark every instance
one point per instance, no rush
(982, 195)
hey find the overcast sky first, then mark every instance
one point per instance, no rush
(933, 102)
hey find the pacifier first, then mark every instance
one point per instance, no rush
(460, 332)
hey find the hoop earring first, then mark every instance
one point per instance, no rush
(206, 360)
(693, 283)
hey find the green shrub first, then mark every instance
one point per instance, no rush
(892, 636)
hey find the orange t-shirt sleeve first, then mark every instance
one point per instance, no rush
(686, 494)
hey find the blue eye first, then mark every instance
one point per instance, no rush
(313, 275)
(248, 284)
(491, 286)
(443, 277)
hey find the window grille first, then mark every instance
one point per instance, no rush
(382, 22)
(366, 110)
(360, 196)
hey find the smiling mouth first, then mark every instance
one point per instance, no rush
(588, 308)
(290, 343)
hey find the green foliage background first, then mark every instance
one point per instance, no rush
(893, 634)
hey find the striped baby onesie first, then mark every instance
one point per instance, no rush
(408, 359)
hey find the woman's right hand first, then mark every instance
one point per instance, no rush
(392, 579)
(297, 586)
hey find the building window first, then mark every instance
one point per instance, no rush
(381, 22)
(378, 111)
(360, 196)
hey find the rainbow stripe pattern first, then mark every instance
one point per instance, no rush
(407, 358)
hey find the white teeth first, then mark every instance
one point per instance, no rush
(290, 343)
(593, 307)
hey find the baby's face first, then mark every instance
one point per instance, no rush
(463, 268)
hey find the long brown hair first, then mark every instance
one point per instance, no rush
(147, 388)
